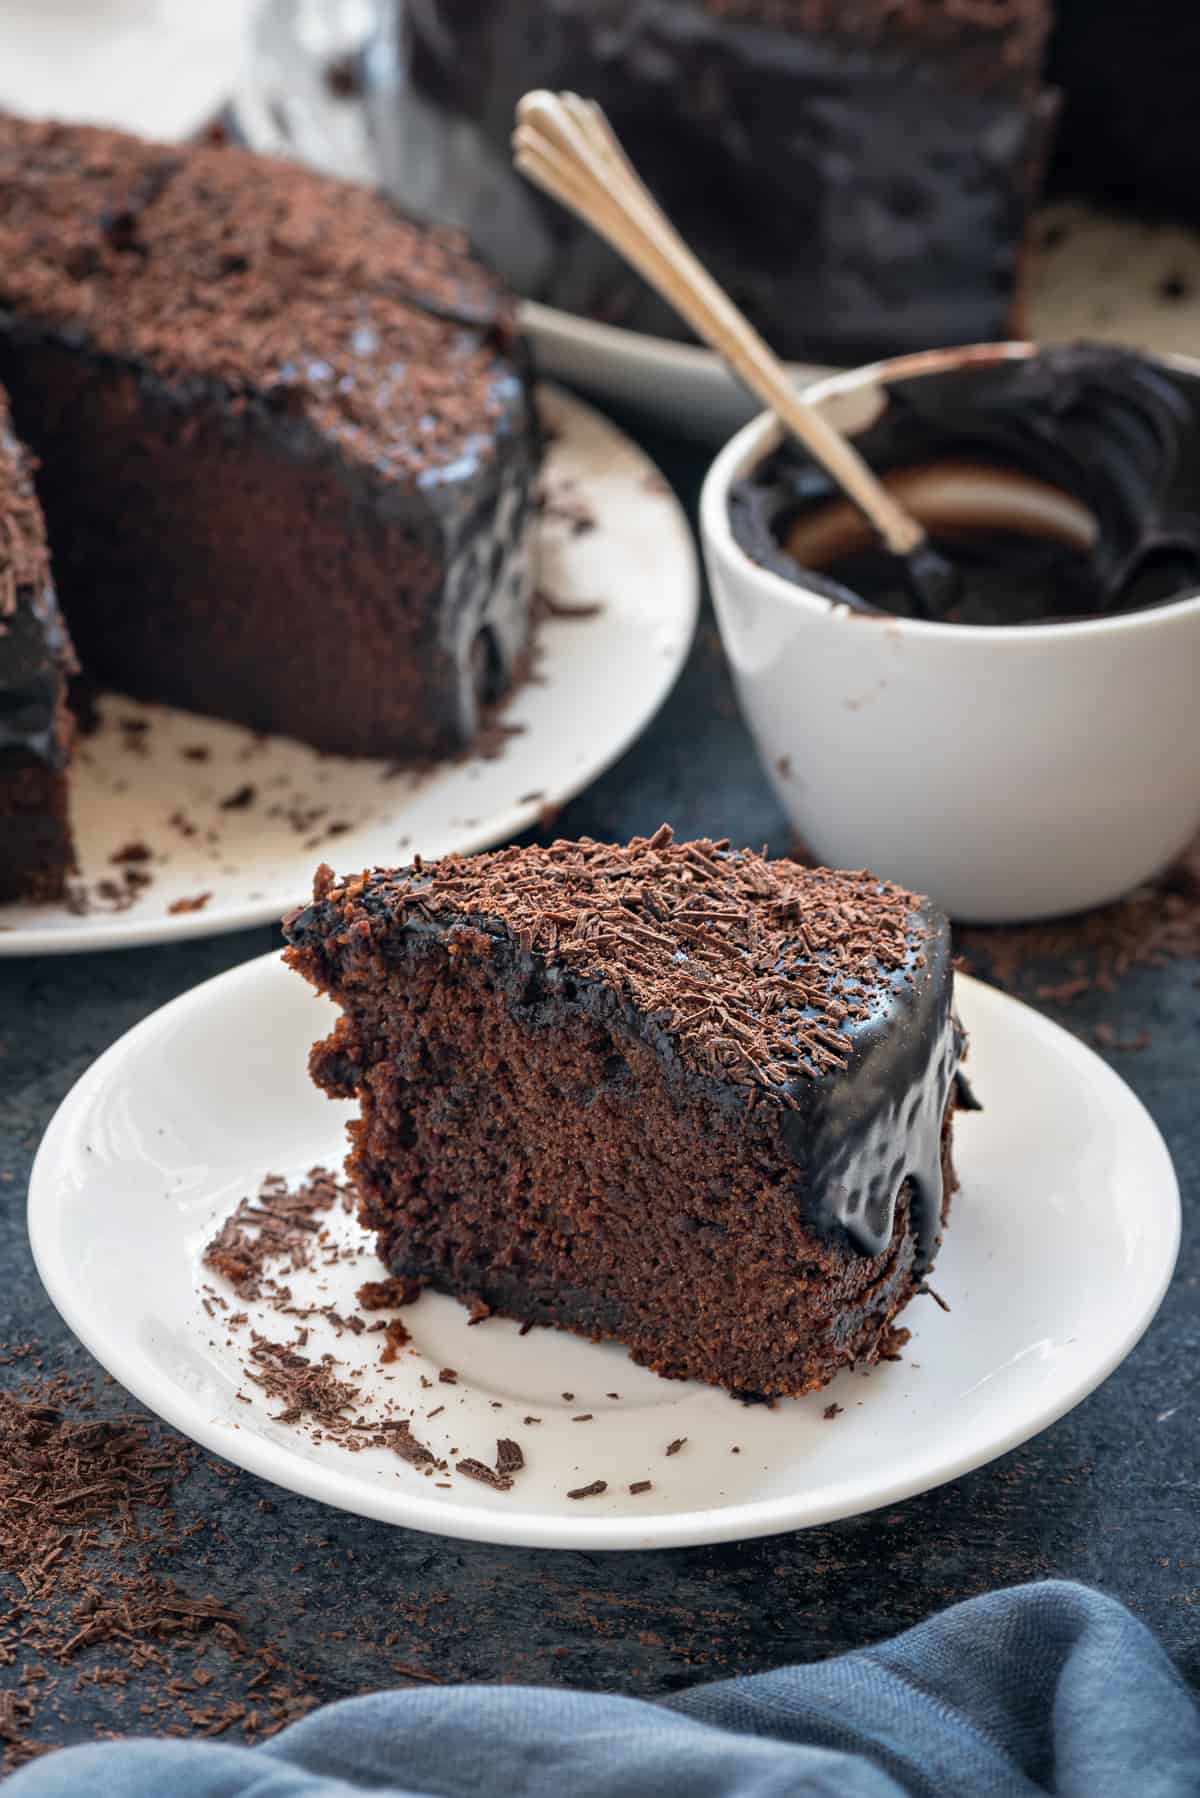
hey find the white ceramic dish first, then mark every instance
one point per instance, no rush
(1061, 1245)
(602, 679)
(1011, 771)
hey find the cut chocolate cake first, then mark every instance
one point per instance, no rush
(286, 442)
(858, 174)
(670, 1094)
(35, 663)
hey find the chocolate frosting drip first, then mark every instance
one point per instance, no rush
(864, 1132)
(1116, 430)
(866, 1048)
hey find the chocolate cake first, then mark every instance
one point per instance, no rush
(285, 438)
(858, 174)
(670, 1094)
(35, 662)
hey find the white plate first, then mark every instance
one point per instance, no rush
(1059, 1250)
(1091, 274)
(161, 67)
(602, 678)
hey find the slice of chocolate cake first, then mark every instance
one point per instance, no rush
(35, 663)
(285, 437)
(671, 1094)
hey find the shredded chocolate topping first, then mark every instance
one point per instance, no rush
(753, 967)
(207, 262)
(487, 1476)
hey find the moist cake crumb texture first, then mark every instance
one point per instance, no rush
(671, 1094)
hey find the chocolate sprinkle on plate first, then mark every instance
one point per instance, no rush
(509, 1456)
(487, 1476)
(592, 1491)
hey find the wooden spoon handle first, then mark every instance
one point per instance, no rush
(567, 147)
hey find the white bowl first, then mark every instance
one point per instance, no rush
(1019, 771)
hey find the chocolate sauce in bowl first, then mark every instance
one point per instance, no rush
(1062, 486)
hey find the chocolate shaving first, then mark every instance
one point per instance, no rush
(275, 1226)
(752, 967)
(402, 1442)
(195, 902)
(487, 1476)
(509, 1456)
(592, 1491)
(673, 1448)
(1158, 924)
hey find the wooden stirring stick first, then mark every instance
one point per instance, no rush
(567, 147)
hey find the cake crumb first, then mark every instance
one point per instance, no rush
(387, 1295)
(832, 1411)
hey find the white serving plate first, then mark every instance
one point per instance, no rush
(1060, 1246)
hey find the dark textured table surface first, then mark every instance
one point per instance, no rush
(1108, 1495)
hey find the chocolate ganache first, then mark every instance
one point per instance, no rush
(1085, 466)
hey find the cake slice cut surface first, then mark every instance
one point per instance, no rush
(675, 1095)
(36, 660)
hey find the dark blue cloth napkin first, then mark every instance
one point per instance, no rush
(1046, 1688)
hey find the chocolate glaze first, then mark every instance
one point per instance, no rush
(856, 1136)
(860, 186)
(1114, 430)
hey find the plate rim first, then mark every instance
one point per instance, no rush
(526, 1529)
(109, 932)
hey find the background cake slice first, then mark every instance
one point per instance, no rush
(286, 442)
(36, 661)
(858, 174)
(671, 1094)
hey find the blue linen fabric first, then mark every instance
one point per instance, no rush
(1045, 1688)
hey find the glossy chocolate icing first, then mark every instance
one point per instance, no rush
(856, 1135)
(859, 185)
(1116, 431)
